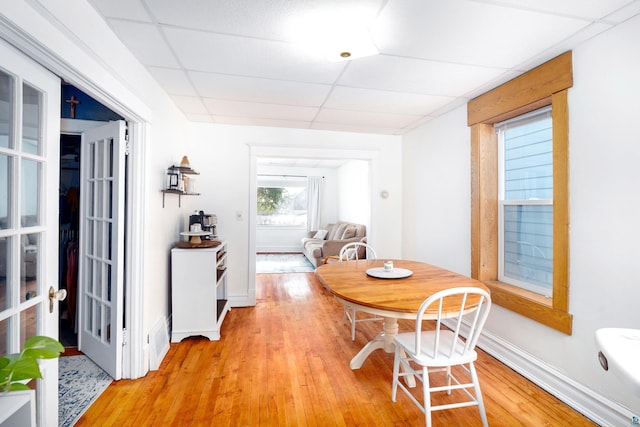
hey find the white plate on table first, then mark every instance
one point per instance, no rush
(395, 273)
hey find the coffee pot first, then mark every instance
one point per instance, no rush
(207, 223)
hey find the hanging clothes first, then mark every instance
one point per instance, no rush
(72, 280)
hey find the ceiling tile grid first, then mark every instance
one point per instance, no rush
(239, 62)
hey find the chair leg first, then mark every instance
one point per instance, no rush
(344, 315)
(396, 372)
(449, 380)
(427, 395)
(353, 324)
(476, 387)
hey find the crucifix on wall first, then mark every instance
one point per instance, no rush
(73, 101)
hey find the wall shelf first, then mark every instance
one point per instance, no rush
(182, 170)
(179, 193)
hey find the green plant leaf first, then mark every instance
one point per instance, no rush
(40, 353)
(25, 369)
(19, 387)
(18, 367)
(44, 344)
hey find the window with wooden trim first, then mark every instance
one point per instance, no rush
(525, 201)
(544, 86)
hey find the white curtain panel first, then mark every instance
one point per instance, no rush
(314, 190)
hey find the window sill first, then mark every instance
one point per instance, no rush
(531, 305)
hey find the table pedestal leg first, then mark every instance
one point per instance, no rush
(384, 340)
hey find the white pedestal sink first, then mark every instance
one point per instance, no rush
(619, 352)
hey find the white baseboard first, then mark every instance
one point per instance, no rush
(592, 405)
(276, 249)
(241, 301)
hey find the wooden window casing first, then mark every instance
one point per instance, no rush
(544, 85)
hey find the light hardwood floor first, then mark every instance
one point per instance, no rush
(285, 362)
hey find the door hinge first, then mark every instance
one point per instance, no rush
(126, 143)
(125, 337)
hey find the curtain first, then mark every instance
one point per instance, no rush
(314, 189)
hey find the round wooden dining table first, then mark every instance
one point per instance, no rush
(353, 283)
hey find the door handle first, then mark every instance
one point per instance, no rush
(54, 295)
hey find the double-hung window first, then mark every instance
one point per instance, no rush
(520, 192)
(525, 201)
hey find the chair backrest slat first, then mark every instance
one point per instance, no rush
(478, 306)
(351, 251)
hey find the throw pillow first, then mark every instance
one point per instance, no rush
(320, 234)
(362, 250)
(349, 233)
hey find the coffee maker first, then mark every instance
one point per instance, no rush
(207, 223)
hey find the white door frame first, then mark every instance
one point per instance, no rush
(134, 362)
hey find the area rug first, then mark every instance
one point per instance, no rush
(283, 263)
(80, 383)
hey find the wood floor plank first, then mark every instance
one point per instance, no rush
(285, 362)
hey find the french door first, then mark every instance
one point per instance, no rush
(29, 178)
(101, 257)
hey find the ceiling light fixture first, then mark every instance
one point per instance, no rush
(335, 36)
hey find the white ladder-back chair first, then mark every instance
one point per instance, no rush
(349, 252)
(464, 311)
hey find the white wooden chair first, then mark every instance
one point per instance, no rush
(350, 252)
(440, 349)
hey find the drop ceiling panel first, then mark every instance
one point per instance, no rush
(252, 121)
(329, 115)
(382, 101)
(132, 10)
(369, 128)
(219, 53)
(260, 110)
(146, 43)
(465, 32)
(175, 82)
(270, 19)
(250, 89)
(190, 104)
(592, 10)
(416, 76)
(228, 16)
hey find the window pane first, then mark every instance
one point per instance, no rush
(5, 189)
(4, 336)
(4, 269)
(282, 206)
(30, 245)
(31, 171)
(528, 157)
(6, 110)
(31, 111)
(28, 323)
(528, 245)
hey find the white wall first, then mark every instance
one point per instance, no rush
(604, 222)
(225, 183)
(354, 193)
(436, 216)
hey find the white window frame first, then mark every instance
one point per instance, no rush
(546, 113)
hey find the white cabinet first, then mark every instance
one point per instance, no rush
(198, 291)
(18, 408)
